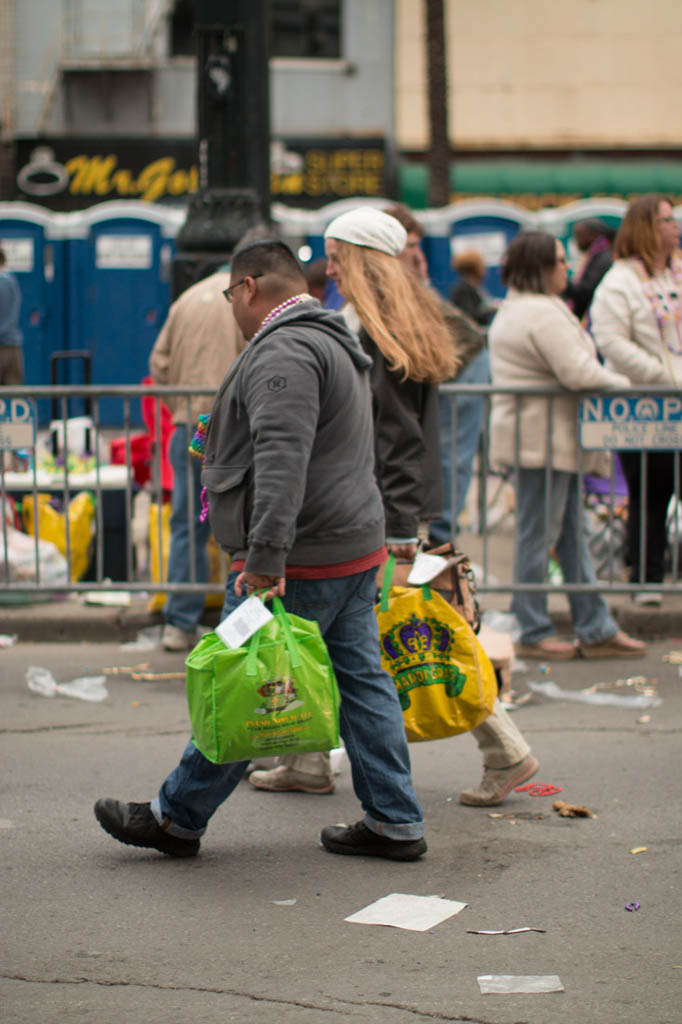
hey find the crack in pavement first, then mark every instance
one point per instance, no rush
(141, 730)
(404, 1008)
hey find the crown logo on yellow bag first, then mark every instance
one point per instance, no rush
(417, 652)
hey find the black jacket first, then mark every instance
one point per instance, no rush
(472, 302)
(580, 292)
(407, 446)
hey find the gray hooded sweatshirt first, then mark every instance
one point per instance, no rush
(289, 456)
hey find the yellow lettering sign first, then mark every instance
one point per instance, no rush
(99, 175)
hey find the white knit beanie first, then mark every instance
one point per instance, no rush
(369, 227)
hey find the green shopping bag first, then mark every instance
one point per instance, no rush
(276, 695)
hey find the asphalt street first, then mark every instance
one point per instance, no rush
(253, 929)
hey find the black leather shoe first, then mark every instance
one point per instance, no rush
(358, 840)
(135, 825)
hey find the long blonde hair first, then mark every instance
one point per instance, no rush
(401, 315)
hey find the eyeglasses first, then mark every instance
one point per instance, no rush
(227, 291)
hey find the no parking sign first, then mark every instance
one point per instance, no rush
(17, 424)
(630, 422)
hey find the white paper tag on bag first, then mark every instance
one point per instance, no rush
(426, 568)
(243, 622)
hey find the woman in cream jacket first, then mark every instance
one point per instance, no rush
(637, 325)
(535, 341)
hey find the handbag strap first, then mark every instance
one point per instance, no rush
(289, 639)
(388, 580)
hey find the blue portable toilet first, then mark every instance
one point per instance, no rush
(487, 225)
(120, 256)
(34, 242)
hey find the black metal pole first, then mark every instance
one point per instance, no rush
(233, 135)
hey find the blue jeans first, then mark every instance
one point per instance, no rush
(470, 417)
(592, 620)
(370, 716)
(184, 610)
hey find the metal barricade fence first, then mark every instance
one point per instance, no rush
(662, 418)
(40, 461)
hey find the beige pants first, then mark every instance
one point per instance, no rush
(498, 739)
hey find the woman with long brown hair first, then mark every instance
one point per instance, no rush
(400, 325)
(637, 325)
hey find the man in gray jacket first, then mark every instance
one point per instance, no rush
(289, 473)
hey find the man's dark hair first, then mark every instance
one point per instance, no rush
(598, 227)
(267, 257)
(528, 258)
(3, 258)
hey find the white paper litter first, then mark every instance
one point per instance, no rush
(7, 640)
(147, 640)
(41, 681)
(637, 700)
(337, 758)
(400, 910)
(425, 568)
(284, 903)
(110, 598)
(243, 622)
(504, 984)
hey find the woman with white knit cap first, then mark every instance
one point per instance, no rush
(399, 324)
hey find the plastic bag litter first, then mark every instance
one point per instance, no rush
(503, 622)
(41, 681)
(147, 640)
(638, 700)
(18, 564)
(491, 984)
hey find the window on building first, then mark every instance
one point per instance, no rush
(300, 28)
(182, 41)
(307, 28)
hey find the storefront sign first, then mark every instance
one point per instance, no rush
(312, 172)
(74, 173)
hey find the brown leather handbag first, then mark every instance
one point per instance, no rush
(456, 583)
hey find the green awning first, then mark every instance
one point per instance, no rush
(553, 180)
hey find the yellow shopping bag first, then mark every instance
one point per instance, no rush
(52, 527)
(216, 558)
(445, 681)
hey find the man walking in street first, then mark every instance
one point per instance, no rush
(289, 471)
(197, 345)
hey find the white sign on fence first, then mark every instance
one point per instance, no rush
(623, 423)
(17, 424)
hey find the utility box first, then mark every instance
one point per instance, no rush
(120, 257)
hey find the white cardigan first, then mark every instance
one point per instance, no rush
(626, 331)
(535, 341)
